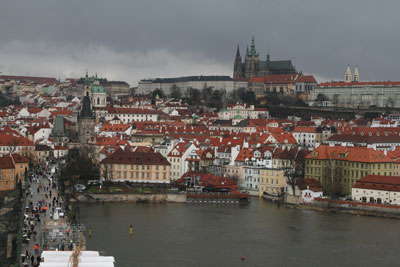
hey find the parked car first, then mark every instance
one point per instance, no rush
(79, 187)
(93, 182)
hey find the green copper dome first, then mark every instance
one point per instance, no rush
(98, 89)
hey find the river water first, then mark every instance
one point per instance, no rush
(207, 235)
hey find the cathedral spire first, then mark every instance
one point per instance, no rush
(356, 76)
(253, 51)
(247, 51)
(268, 52)
(347, 75)
(238, 51)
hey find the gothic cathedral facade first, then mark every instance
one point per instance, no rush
(254, 67)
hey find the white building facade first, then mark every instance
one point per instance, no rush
(196, 82)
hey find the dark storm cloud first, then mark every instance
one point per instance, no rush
(131, 40)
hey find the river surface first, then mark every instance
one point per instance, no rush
(209, 235)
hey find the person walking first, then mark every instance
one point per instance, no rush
(38, 259)
(36, 248)
(32, 259)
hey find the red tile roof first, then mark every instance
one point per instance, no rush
(19, 158)
(379, 182)
(304, 129)
(355, 154)
(42, 80)
(283, 78)
(137, 158)
(106, 127)
(306, 79)
(13, 140)
(6, 163)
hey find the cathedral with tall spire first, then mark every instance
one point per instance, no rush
(253, 66)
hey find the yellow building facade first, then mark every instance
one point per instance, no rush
(140, 167)
(272, 182)
(347, 164)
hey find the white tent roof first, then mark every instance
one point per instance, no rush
(86, 259)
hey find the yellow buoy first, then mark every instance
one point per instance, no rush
(130, 230)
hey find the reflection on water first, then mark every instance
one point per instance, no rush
(207, 235)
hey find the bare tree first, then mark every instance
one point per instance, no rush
(334, 173)
(290, 174)
(13, 144)
(175, 92)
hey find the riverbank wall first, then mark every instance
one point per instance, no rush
(356, 208)
(134, 198)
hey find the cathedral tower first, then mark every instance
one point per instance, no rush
(356, 77)
(251, 61)
(347, 75)
(237, 67)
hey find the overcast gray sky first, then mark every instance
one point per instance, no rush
(131, 40)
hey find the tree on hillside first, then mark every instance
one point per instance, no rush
(249, 98)
(321, 98)
(176, 92)
(206, 93)
(193, 96)
(216, 99)
(335, 99)
(237, 95)
(272, 99)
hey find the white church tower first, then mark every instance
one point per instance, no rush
(356, 77)
(347, 75)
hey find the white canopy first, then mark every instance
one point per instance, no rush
(85, 259)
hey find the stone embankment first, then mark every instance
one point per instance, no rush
(134, 198)
(351, 207)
